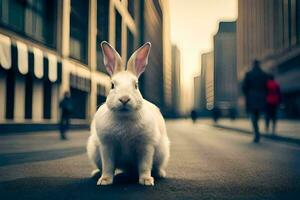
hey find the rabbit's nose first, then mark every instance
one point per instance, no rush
(124, 99)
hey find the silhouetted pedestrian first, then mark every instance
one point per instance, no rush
(216, 114)
(66, 111)
(254, 88)
(232, 113)
(194, 115)
(273, 100)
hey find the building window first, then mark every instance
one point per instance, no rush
(118, 32)
(100, 100)
(79, 30)
(79, 101)
(47, 88)
(131, 7)
(298, 20)
(35, 19)
(14, 20)
(286, 11)
(10, 94)
(130, 43)
(102, 30)
(293, 23)
(28, 96)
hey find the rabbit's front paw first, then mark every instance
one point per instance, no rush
(105, 180)
(149, 181)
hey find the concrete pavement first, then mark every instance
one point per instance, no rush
(287, 130)
(206, 163)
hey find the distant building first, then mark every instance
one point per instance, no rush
(270, 31)
(197, 93)
(207, 81)
(204, 85)
(225, 75)
(48, 47)
(176, 82)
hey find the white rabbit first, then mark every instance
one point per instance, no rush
(127, 132)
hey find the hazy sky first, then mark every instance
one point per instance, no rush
(193, 24)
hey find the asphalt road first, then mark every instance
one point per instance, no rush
(206, 163)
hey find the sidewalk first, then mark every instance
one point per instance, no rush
(287, 130)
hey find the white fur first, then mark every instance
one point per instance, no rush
(134, 140)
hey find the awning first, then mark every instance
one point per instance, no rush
(38, 62)
(5, 52)
(29, 60)
(52, 65)
(22, 57)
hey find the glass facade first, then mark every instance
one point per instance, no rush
(35, 19)
(118, 29)
(79, 30)
(102, 31)
(131, 8)
(298, 20)
(130, 43)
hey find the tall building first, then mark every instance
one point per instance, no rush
(200, 87)
(207, 81)
(208, 65)
(48, 47)
(155, 28)
(204, 85)
(225, 75)
(176, 82)
(270, 32)
(197, 94)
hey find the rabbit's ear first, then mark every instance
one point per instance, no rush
(111, 58)
(139, 59)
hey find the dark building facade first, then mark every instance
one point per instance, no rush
(270, 32)
(207, 83)
(225, 75)
(202, 108)
(197, 94)
(176, 82)
(204, 85)
(207, 62)
(48, 47)
(155, 29)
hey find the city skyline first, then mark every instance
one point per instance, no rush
(195, 40)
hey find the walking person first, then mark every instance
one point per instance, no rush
(194, 115)
(254, 89)
(216, 114)
(66, 107)
(273, 100)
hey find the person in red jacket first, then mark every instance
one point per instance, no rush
(272, 103)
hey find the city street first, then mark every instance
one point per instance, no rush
(206, 163)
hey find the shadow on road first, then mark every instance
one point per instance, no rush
(128, 188)
(277, 138)
(35, 156)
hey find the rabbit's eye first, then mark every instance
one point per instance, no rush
(112, 85)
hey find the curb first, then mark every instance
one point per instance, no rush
(268, 136)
